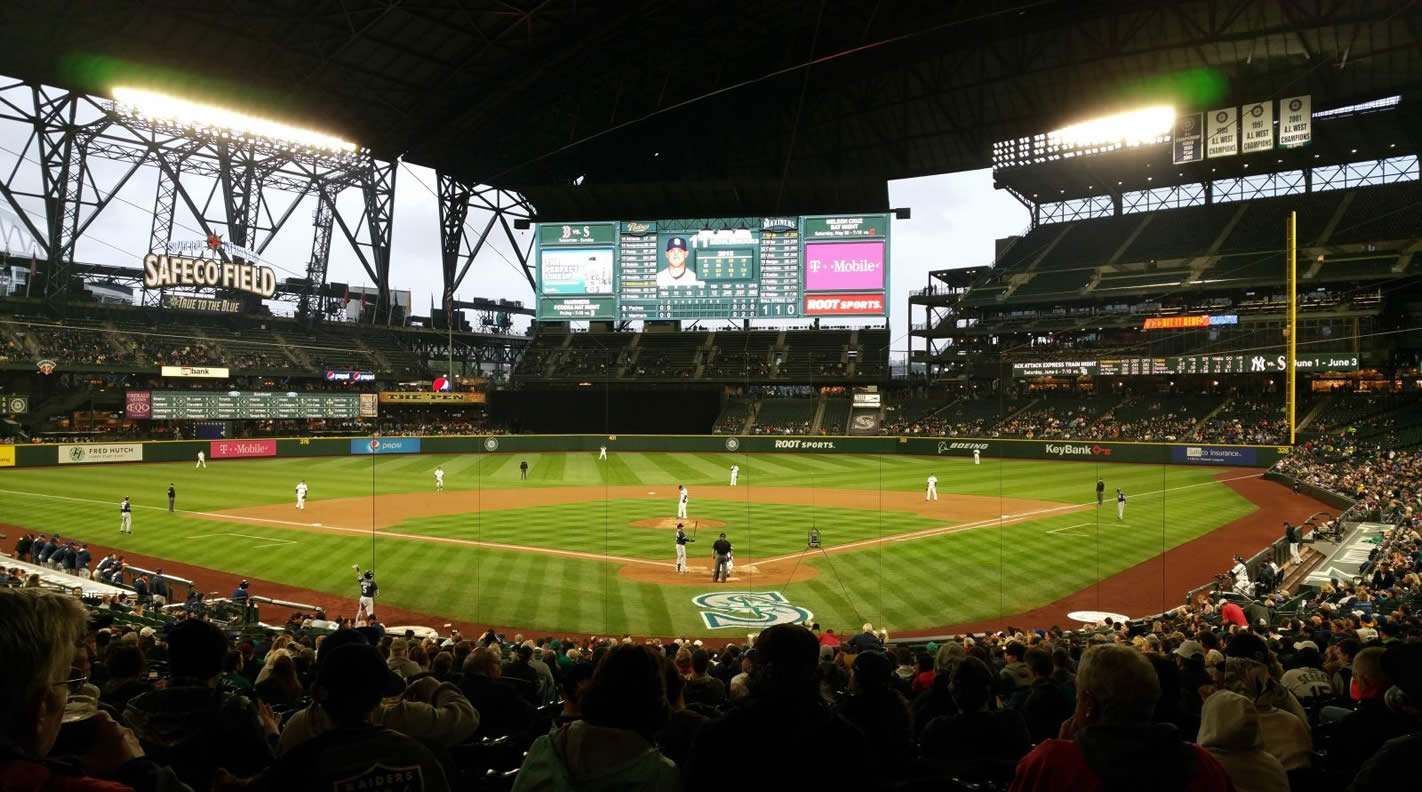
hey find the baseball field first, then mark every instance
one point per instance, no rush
(587, 546)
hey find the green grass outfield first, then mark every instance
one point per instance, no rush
(981, 572)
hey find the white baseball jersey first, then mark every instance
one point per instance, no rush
(439, 476)
(933, 482)
(685, 495)
(735, 474)
(301, 490)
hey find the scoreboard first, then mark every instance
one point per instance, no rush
(1237, 363)
(720, 268)
(237, 405)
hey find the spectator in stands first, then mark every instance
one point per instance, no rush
(37, 650)
(1286, 735)
(866, 641)
(881, 713)
(128, 675)
(1046, 705)
(1016, 677)
(519, 671)
(784, 708)
(1306, 679)
(977, 743)
(624, 708)
(1110, 741)
(194, 726)
(502, 709)
(701, 687)
(1394, 765)
(356, 752)
(938, 699)
(281, 687)
(574, 682)
(1230, 731)
(1373, 723)
(400, 661)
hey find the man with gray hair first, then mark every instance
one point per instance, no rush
(1111, 740)
(37, 648)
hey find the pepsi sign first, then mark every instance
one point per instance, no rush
(350, 376)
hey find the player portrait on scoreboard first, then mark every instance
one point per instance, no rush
(676, 270)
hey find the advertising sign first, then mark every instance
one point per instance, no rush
(1179, 322)
(350, 376)
(161, 270)
(422, 397)
(1212, 455)
(1257, 127)
(93, 453)
(1056, 368)
(866, 304)
(587, 271)
(392, 445)
(138, 404)
(844, 266)
(7, 456)
(183, 302)
(206, 372)
(230, 449)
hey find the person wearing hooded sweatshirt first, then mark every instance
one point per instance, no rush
(1229, 730)
(1110, 743)
(613, 746)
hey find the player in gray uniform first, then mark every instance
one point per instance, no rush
(1120, 505)
(681, 540)
(126, 516)
(368, 589)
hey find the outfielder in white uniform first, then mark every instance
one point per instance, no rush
(125, 517)
(439, 479)
(681, 502)
(735, 474)
(202, 460)
(977, 457)
(1120, 505)
(602, 452)
(681, 540)
(301, 495)
(932, 491)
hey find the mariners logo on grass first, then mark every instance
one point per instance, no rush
(491, 444)
(732, 444)
(755, 609)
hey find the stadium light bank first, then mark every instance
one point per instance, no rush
(1143, 126)
(192, 115)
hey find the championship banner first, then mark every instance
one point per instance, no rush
(1257, 127)
(1186, 138)
(206, 372)
(7, 456)
(229, 449)
(1295, 121)
(93, 453)
(1223, 137)
(422, 397)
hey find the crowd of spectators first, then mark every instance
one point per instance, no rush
(737, 364)
(1244, 421)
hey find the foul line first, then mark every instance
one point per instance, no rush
(1068, 528)
(924, 534)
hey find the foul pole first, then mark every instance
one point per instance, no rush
(1291, 245)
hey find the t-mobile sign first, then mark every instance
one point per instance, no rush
(841, 266)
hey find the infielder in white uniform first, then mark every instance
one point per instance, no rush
(681, 502)
(125, 517)
(977, 457)
(602, 452)
(301, 495)
(202, 460)
(735, 474)
(439, 479)
(932, 492)
(1120, 505)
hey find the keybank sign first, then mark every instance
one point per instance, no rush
(1070, 449)
(805, 445)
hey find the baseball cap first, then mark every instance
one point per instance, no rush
(931, 647)
(676, 243)
(353, 669)
(146, 632)
(1190, 648)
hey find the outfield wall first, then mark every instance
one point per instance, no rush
(187, 450)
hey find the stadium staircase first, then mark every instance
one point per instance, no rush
(1323, 404)
(817, 421)
(1209, 416)
(111, 335)
(1022, 410)
(296, 354)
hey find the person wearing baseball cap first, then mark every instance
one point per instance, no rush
(351, 681)
(677, 274)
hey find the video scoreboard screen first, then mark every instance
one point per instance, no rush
(1194, 364)
(237, 405)
(722, 268)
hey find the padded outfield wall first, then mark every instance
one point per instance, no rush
(187, 450)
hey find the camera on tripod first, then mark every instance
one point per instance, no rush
(814, 539)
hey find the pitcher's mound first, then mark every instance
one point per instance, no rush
(669, 524)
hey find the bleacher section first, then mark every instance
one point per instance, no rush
(732, 419)
(835, 419)
(1058, 416)
(784, 416)
(1385, 213)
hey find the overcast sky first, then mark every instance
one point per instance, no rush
(956, 218)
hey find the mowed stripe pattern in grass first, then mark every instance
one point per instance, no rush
(980, 573)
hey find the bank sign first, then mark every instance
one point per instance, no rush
(1213, 455)
(162, 270)
(393, 445)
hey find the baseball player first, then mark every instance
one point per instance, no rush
(735, 474)
(977, 457)
(1100, 491)
(681, 499)
(125, 517)
(301, 494)
(202, 460)
(1120, 504)
(172, 497)
(523, 470)
(932, 492)
(368, 590)
(602, 452)
(722, 549)
(681, 540)
(1291, 533)
(439, 479)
